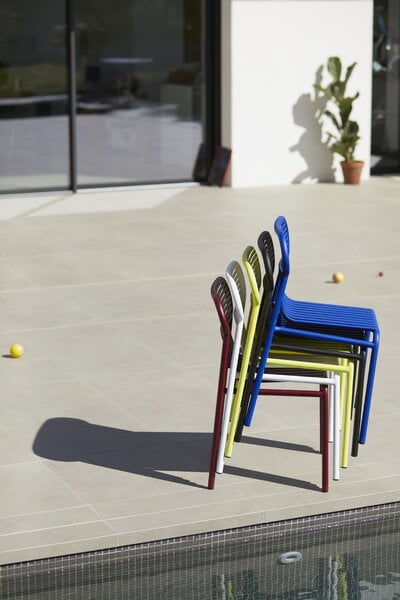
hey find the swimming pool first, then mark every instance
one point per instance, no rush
(347, 555)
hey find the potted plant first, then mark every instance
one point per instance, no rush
(338, 109)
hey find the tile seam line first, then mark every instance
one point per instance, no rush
(182, 508)
(115, 404)
(330, 499)
(298, 264)
(61, 480)
(113, 321)
(110, 282)
(115, 534)
(52, 528)
(256, 510)
(25, 462)
(45, 512)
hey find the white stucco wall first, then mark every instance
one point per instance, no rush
(271, 52)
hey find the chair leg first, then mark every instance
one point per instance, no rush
(253, 364)
(219, 411)
(369, 389)
(346, 418)
(324, 404)
(335, 415)
(358, 405)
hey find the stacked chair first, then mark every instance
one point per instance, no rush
(285, 340)
(224, 305)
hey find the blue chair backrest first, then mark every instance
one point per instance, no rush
(282, 231)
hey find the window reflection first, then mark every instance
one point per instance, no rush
(140, 90)
(33, 95)
(140, 83)
(386, 87)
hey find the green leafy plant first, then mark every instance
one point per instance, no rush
(338, 110)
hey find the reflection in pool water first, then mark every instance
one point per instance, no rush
(348, 555)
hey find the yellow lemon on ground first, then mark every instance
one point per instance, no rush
(16, 350)
(338, 277)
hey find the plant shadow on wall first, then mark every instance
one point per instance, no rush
(329, 112)
(307, 113)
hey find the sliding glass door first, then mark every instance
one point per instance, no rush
(33, 96)
(386, 88)
(140, 90)
(100, 93)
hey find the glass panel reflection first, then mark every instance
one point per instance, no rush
(33, 96)
(386, 87)
(140, 90)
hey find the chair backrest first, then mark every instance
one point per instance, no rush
(223, 302)
(266, 247)
(282, 231)
(253, 269)
(237, 286)
(273, 295)
(252, 265)
(234, 275)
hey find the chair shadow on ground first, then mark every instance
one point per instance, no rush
(146, 453)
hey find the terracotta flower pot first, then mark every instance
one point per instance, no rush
(352, 171)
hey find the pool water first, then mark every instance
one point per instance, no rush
(347, 555)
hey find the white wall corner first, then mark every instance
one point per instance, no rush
(271, 53)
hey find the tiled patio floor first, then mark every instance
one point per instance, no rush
(106, 420)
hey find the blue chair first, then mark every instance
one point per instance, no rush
(335, 349)
(355, 326)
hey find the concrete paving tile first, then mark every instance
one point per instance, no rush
(175, 517)
(64, 268)
(96, 203)
(35, 366)
(50, 418)
(379, 469)
(47, 519)
(18, 240)
(176, 400)
(192, 292)
(288, 450)
(40, 309)
(149, 463)
(224, 522)
(32, 487)
(47, 537)
(120, 301)
(188, 339)
(165, 502)
(329, 505)
(12, 277)
(85, 351)
(337, 491)
(12, 452)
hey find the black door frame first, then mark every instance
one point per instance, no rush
(71, 70)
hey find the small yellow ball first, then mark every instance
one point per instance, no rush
(16, 350)
(338, 277)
